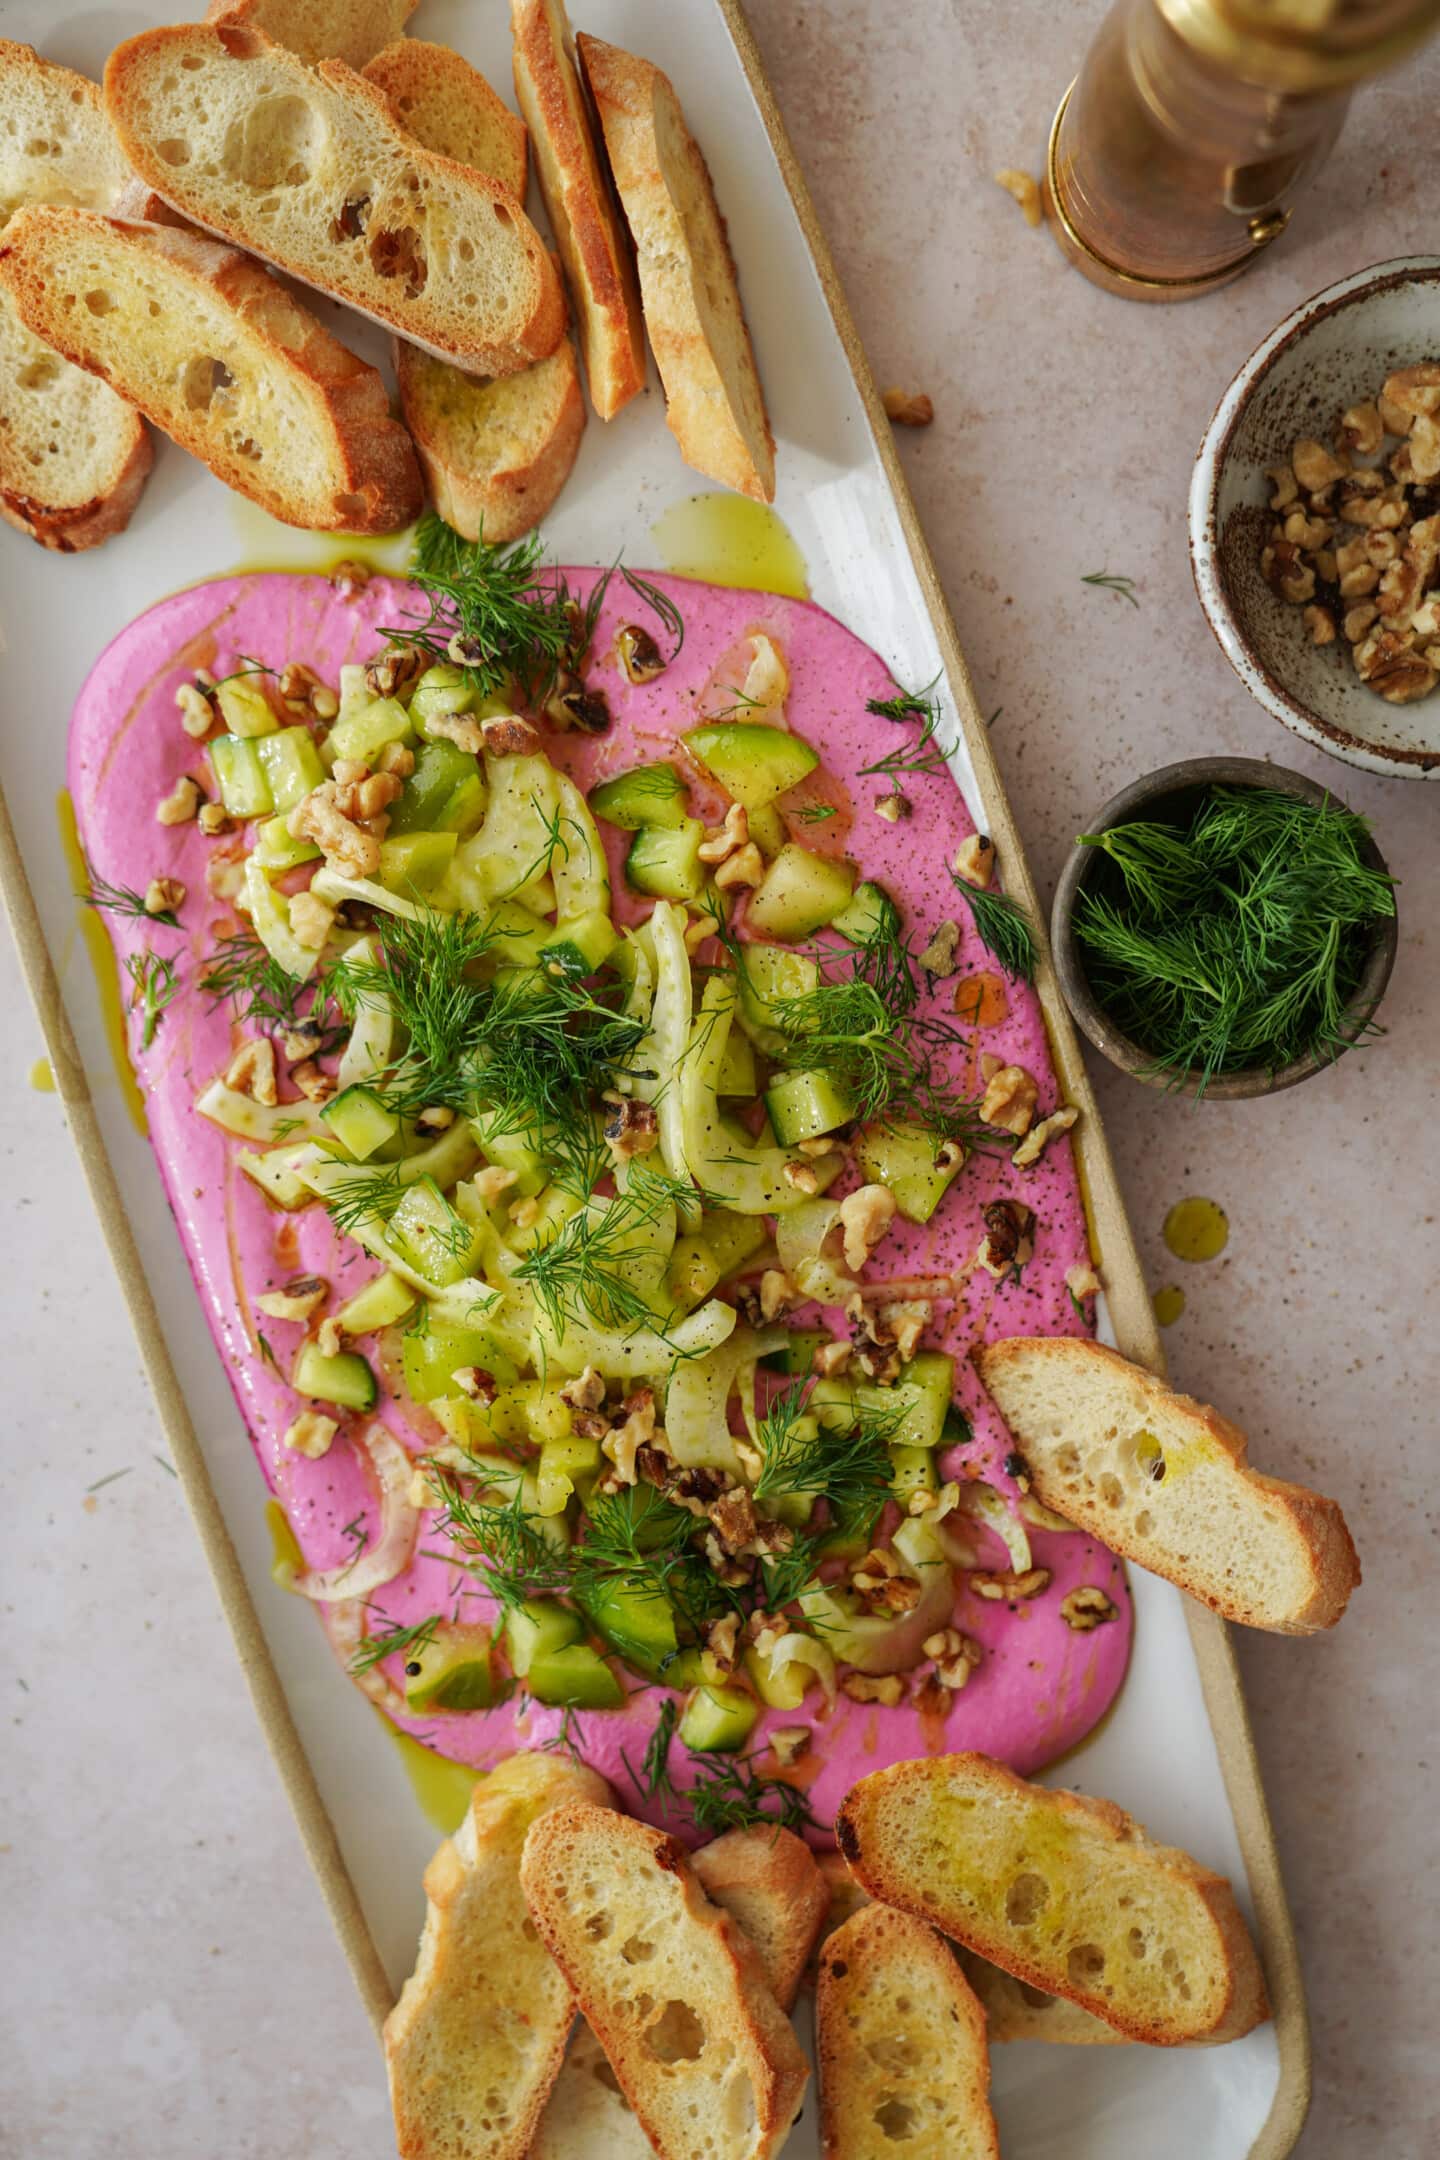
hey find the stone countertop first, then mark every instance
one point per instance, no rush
(179, 1991)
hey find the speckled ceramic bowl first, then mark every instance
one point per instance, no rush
(1332, 352)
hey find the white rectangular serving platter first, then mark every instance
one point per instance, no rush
(1176, 1751)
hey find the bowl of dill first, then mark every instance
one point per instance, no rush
(1226, 929)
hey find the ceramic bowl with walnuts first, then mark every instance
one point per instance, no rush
(1315, 520)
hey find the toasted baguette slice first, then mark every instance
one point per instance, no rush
(218, 354)
(588, 228)
(1067, 1893)
(769, 1884)
(495, 451)
(1164, 1481)
(73, 456)
(448, 106)
(587, 2113)
(473, 2045)
(713, 400)
(673, 1991)
(901, 2041)
(349, 30)
(1016, 2011)
(308, 168)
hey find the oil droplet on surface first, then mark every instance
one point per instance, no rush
(286, 1558)
(981, 1001)
(1169, 1303)
(268, 545)
(729, 540)
(102, 961)
(42, 1079)
(443, 1788)
(1196, 1230)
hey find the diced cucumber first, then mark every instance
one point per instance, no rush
(557, 1205)
(665, 860)
(566, 1461)
(957, 1431)
(574, 1677)
(752, 762)
(377, 1304)
(442, 769)
(921, 1394)
(771, 974)
(240, 777)
(244, 706)
(799, 893)
(415, 862)
(798, 1354)
(452, 1671)
(518, 935)
(538, 1628)
(914, 1471)
(768, 830)
(345, 1379)
(430, 1358)
(638, 1624)
(869, 911)
(291, 764)
(509, 1150)
(431, 1236)
(277, 850)
(578, 947)
(733, 1239)
(442, 690)
(903, 1157)
(718, 1720)
(361, 735)
(802, 1105)
(650, 795)
(782, 1689)
(693, 1272)
(360, 1122)
(737, 1068)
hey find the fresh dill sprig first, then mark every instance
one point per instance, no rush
(499, 1537)
(1112, 582)
(638, 1537)
(816, 813)
(1236, 941)
(653, 1780)
(730, 1795)
(121, 900)
(849, 1467)
(891, 1064)
(489, 602)
(926, 753)
(258, 988)
(391, 1638)
(586, 1273)
(1002, 927)
(156, 987)
(664, 607)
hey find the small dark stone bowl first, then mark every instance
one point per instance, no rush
(1170, 794)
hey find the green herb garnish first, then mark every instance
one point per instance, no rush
(122, 900)
(653, 1780)
(1002, 927)
(670, 616)
(587, 1272)
(926, 754)
(848, 1467)
(730, 1795)
(816, 813)
(391, 1638)
(1236, 941)
(156, 987)
(259, 989)
(1112, 582)
(490, 603)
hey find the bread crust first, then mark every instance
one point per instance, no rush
(768, 1882)
(875, 1948)
(450, 108)
(480, 1983)
(71, 528)
(381, 269)
(578, 1857)
(715, 407)
(505, 490)
(1311, 1522)
(589, 232)
(373, 484)
(349, 30)
(1086, 1835)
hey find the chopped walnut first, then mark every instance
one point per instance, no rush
(316, 1086)
(296, 1299)
(722, 1643)
(892, 807)
(777, 1294)
(311, 919)
(865, 1217)
(329, 1337)
(394, 672)
(1010, 1237)
(301, 691)
(908, 408)
(435, 1118)
(509, 736)
(1386, 660)
(956, 1657)
(1033, 1146)
(974, 862)
(397, 758)
(163, 895)
(902, 1321)
(252, 1070)
(197, 711)
(225, 874)
(830, 1360)
(732, 1516)
(637, 1431)
(1007, 1585)
(1321, 625)
(1282, 480)
(1361, 429)
(311, 1434)
(722, 841)
(1086, 1609)
(887, 1689)
(524, 1214)
(181, 804)
(788, 1743)
(347, 837)
(1358, 620)
(1414, 391)
(1024, 189)
(941, 956)
(1082, 1281)
(585, 1393)
(801, 1176)
(745, 867)
(492, 1183)
(1010, 1099)
(303, 1040)
(214, 819)
(350, 577)
(631, 1128)
(460, 729)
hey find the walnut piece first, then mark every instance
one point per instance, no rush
(311, 1434)
(940, 957)
(164, 895)
(974, 862)
(252, 1070)
(1002, 1587)
(181, 804)
(1009, 1241)
(956, 1657)
(887, 1689)
(1086, 1609)
(722, 841)
(745, 867)
(1009, 1100)
(908, 408)
(1024, 189)
(631, 1128)
(294, 1300)
(1035, 1142)
(865, 1217)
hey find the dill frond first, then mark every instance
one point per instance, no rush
(110, 899)
(1002, 928)
(493, 598)
(156, 987)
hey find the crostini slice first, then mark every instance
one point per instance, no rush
(474, 2043)
(672, 1989)
(901, 2040)
(1164, 1481)
(307, 167)
(1067, 1893)
(589, 231)
(218, 354)
(448, 106)
(495, 451)
(713, 400)
(349, 30)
